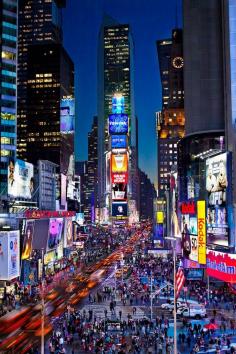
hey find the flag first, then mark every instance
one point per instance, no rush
(180, 279)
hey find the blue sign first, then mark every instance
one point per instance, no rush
(118, 142)
(118, 104)
(118, 123)
(119, 209)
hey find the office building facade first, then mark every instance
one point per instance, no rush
(8, 79)
(170, 122)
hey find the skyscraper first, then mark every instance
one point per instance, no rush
(115, 76)
(46, 76)
(92, 173)
(147, 196)
(8, 28)
(171, 120)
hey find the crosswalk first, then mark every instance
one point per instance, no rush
(100, 309)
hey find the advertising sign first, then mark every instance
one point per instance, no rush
(118, 123)
(217, 226)
(9, 255)
(63, 189)
(133, 212)
(118, 142)
(119, 163)
(201, 223)
(160, 217)
(221, 266)
(72, 191)
(29, 273)
(119, 191)
(68, 234)
(189, 237)
(118, 104)
(119, 209)
(216, 179)
(80, 218)
(20, 179)
(194, 274)
(28, 238)
(55, 233)
(67, 115)
(119, 177)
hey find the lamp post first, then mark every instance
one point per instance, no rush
(173, 243)
(42, 304)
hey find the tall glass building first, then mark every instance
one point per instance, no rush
(115, 75)
(8, 45)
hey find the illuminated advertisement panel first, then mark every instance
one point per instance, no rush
(221, 266)
(118, 142)
(67, 115)
(20, 179)
(118, 123)
(68, 234)
(9, 255)
(119, 209)
(189, 237)
(119, 163)
(118, 104)
(201, 224)
(119, 177)
(28, 238)
(55, 233)
(160, 217)
(216, 187)
(119, 191)
(133, 212)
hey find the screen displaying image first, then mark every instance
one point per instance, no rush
(20, 179)
(119, 191)
(54, 234)
(68, 233)
(118, 104)
(118, 142)
(119, 209)
(118, 123)
(67, 115)
(28, 238)
(119, 163)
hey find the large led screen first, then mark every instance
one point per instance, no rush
(28, 239)
(189, 237)
(20, 179)
(119, 191)
(118, 104)
(119, 177)
(118, 142)
(118, 123)
(55, 231)
(9, 255)
(119, 209)
(216, 188)
(68, 232)
(119, 163)
(67, 115)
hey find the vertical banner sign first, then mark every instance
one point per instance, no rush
(201, 225)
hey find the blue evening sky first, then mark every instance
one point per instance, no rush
(149, 20)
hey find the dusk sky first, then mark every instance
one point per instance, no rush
(149, 20)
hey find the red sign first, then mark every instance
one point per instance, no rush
(44, 214)
(188, 208)
(221, 266)
(119, 177)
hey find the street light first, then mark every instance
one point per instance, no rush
(173, 239)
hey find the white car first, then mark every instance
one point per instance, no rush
(192, 311)
(170, 306)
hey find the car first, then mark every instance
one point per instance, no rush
(192, 311)
(170, 305)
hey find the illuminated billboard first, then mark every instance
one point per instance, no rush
(189, 237)
(133, 212)
(119, 163)
(221, 266)
(118, 104)
(201, 229)
(9, 255)
(68, 234)
(216, 187)
(55, 233)
(119, 209)
(119, 177)
(67, 115)
(28, 238)
(118, 142)
(119, 191)
(118, 123)
(20, 179)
